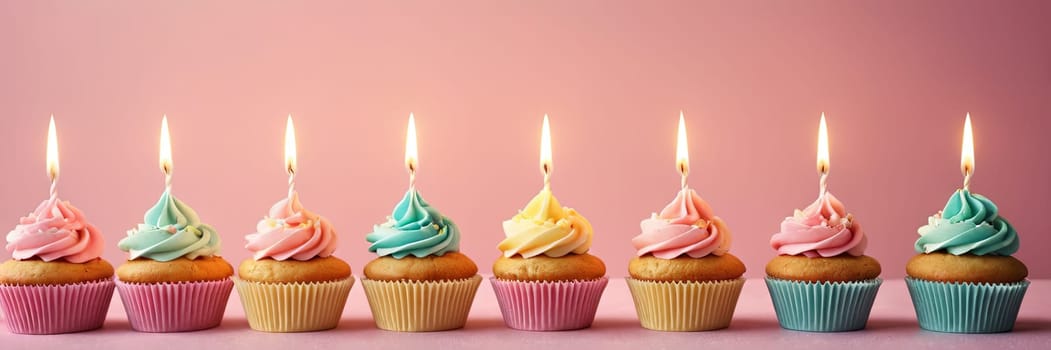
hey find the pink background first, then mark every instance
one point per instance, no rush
(895, 79)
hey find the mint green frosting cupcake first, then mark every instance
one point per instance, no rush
(414, 228)
(170, 230)
(969, 224)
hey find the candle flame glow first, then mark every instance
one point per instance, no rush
(682, 149)
(166, 148)
(546, 165)
(967, 149)
(822, 147)
(52, 151)
(290, 146)
(412, 161)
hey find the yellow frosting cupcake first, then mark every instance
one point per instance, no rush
(546, 280)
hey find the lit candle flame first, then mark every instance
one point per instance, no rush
(52, 151)
(822, 147)
(967, 153)
(290, 155)
(165, 159)
(546, 165)
(52, 155)
(682, 151)
(822, 154)
(412, 161)
(290, 146)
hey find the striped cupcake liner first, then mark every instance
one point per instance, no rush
(293, 307)
(55, 309)
(822, 306)
(421, 306)
(685, 306)
(548, 306)
(966, 307)
(175, 307)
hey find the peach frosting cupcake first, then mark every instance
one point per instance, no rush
(683, 277)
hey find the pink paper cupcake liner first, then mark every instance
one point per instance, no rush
(548, 306)
(54, 309)
(175, 307)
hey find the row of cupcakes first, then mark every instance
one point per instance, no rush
(683, 278)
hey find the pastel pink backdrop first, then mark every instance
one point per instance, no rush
(895, 79)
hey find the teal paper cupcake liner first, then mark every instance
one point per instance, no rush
(822, 306)
(966, 307)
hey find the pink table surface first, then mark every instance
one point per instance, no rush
(892, 325)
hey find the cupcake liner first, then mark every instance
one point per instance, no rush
(174, 306)
(822, 306)
(421, 306)
(685, 306)
(966, 307)
(54, 309)
(548, 306)
(294, 307)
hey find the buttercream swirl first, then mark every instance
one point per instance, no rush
(545, 227)
(414, 228)
(170, 230)
(823, 229)
(292, 232)
(969, 224)
(686, 226)
(55, 230)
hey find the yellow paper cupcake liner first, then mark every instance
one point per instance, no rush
(421, 306)
(293, 307)
(685, 306)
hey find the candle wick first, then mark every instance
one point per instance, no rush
(684, 170)
(546, 168)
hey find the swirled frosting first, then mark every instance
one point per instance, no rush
(55, 230)
(170, 230)
(545, 227)
(823, 229)
(415, 228)
(969, 224)
(686, 226)
(291, 232)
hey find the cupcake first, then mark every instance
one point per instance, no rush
(55, 282)
(683, 277)
(420, 282)
(292, 283)
(821, 281)
(964, 279)
(173, 281)
(546, 280)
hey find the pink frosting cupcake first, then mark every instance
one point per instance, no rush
(292, 283)
(685, 227)
(683, 277)
(75, 291)
(823, 229)
(821, 281)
